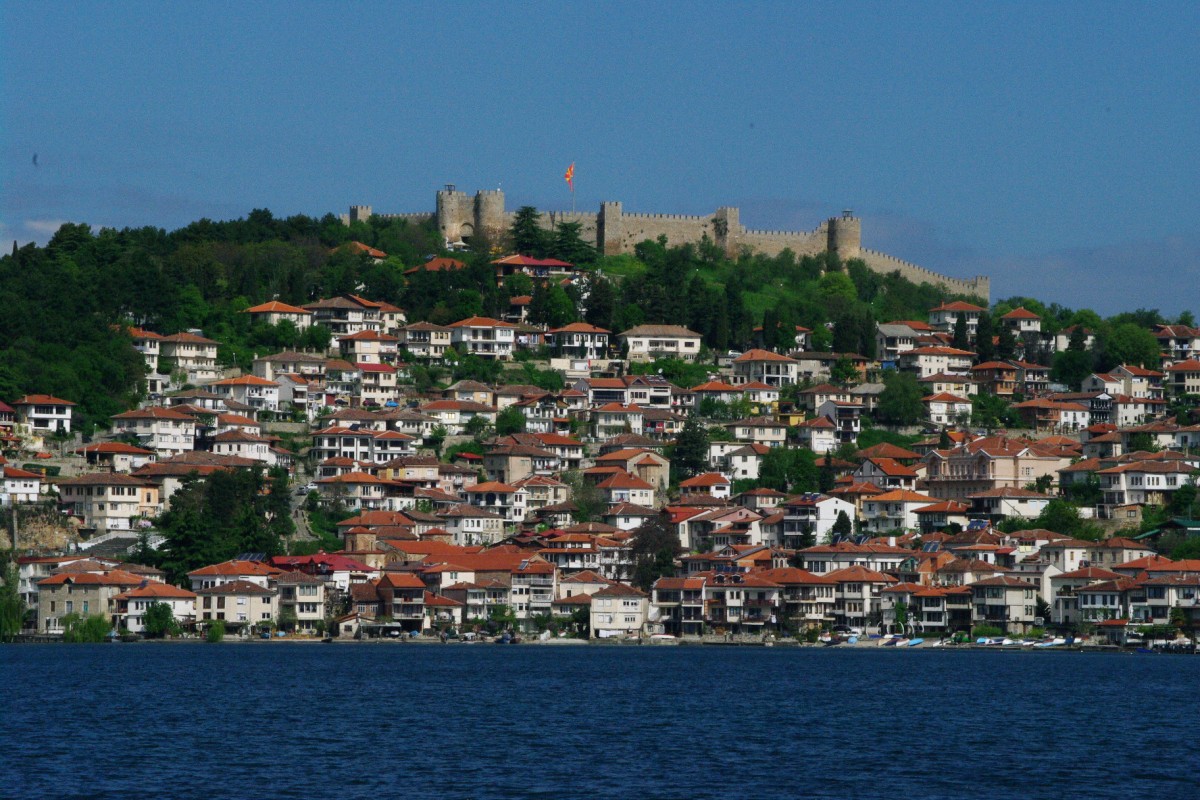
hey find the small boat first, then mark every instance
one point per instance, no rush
(327, 640)
(852, 640)
(915, 642)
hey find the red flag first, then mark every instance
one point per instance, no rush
(570, 176)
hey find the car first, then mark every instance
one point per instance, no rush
(846, 630)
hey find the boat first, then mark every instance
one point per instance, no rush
(852, 640)
(915, 642)
(327, 640)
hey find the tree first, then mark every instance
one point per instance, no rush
(690, 455)
(655, 545)
(1128, 343)
(588, 500)
(843, 371)
(215, 631)
(436, 437)
(826, 478)
(961, 338)
(510, 421)
(159, 621)
(601, 302)
(842, 526)
(569, 245)
(900, 401)
(12, 607)
(1006, 343)
(985, 348)
(287, 619)
(528, 236)
(85, 630)
(478, 427)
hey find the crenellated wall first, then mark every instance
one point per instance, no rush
(616, 231)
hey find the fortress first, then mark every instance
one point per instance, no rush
(614, 231)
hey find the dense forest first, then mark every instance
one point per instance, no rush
(66, 303)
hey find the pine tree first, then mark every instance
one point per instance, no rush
(985, 348)
(528, 237)
(961, 339)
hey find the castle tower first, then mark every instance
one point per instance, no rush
(489, 213)
(845, 235)
(727, 229)
(359, 214)
(610, 229)
(454, 218)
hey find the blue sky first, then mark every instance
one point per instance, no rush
(1053, 147)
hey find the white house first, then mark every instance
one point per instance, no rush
(484, 337)
(650, 342)
(44, 413)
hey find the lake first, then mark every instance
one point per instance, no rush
(486, 721)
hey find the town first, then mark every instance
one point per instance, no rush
(963, 476)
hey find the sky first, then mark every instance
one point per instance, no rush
(1053, 147)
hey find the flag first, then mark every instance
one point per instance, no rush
(570, 176)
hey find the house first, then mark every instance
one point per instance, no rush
(1178, 342)
(191, 354)
(534, 587)
(758, 430)
(109, 501)
(988, 463)
(509, 502)
(945, 316)
(369, 347)
(301, 598)
(353, 490)
(250, 390)
(484, 337)
(886, 473)
(1004, 602)
(1008, 501)
(894, 509)
(858, 595)
(846, 417)
(818, 434)
(454, 415)
(579, 340)
(941, 515)
(1183, 377)
(1043, 414)
(345, 316)
(618, 610)
(275, 312)
(43, 413)
(614, 419)
(625, 488)
(712, 484)
(810, 518)
(508, 463)
(378, 384)
(959, 385)
(764, 366)
(1023, 322)
(892, 339)
(18, 486)
(130, 606)
(996, 378)
(651, 342)
(425, 340)
(944, 408)
(470, 526)
(936, 359)
(80, 593)
(165, 431)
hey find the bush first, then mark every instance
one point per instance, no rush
(986, 631)
(90, 629)
(215, 632)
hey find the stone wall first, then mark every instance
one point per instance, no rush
(615, 231)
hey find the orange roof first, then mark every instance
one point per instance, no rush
(246, 380)
(903, 496)
(707, 479)
(276, 307)
(236, 567)
(958, 305)
(481, 322)
(1020, 313)
(762, 355)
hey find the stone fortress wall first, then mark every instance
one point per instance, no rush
(615, 231)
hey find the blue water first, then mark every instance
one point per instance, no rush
(485, 721)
